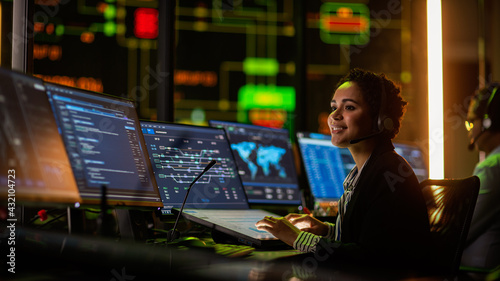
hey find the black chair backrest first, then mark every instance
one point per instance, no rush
(450, 205)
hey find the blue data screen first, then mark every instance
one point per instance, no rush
(326, 166)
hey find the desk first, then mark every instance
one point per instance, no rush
(56, 256)
(52, 256)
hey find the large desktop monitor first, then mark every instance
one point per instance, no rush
(105, 147)
(33, 162)
(325, 165)
(265, 162)
(179, 153)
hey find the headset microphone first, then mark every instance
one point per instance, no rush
(474, 139)
(174, 233)
(364, 138)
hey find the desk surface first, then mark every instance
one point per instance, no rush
(52, 256)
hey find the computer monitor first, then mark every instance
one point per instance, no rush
(325, 165)
(105, 146)
(179, 153)
(34, 165)
(265, 162)
(415, 157)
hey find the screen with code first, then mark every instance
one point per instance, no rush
(326, 165)
(105, 146)
(30, 147)
(265, 162)
(179, 153)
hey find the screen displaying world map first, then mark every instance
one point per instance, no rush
(260, 158)
(265, 162)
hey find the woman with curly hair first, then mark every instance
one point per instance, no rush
(382, 217)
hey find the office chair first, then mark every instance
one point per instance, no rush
(450, 205)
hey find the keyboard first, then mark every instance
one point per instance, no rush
(233, 251)
(227, 250)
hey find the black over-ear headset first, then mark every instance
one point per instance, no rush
(384, 122)
(487, 122)
(488, 116)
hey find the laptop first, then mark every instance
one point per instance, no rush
(178, 154)
(265, 161)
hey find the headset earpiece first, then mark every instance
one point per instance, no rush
(486, 123)
(388, 124)
(486, 118)
(384, 123)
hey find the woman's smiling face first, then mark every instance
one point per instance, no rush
(350, 118)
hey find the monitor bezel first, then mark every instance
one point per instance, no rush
(119, 203)
(187, 126)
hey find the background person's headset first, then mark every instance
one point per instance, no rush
(489, 118)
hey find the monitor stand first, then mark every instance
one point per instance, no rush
(76, 221)
(133, 224)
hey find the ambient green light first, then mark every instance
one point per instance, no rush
(344, 23)
(266, 96)
(261, 66)
(109, 28)
(59, 29)
(110, 12)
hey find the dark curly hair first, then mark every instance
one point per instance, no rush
(372, 86)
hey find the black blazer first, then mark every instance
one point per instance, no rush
(386, 221)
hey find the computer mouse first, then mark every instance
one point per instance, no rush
(191, 242)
